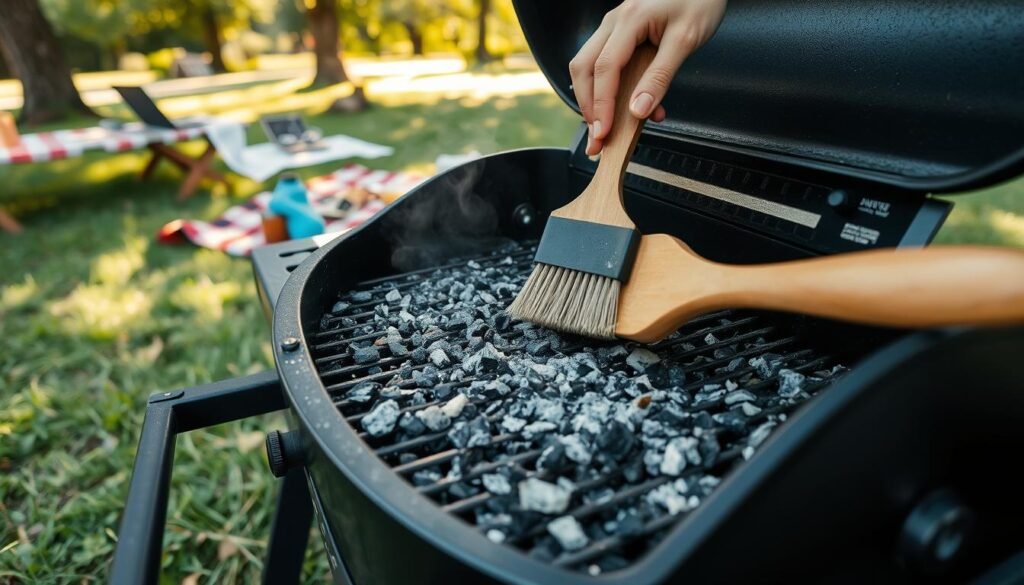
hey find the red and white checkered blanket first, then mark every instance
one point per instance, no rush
(240, 229)
(47, 146)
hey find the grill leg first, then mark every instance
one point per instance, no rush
(290, 533)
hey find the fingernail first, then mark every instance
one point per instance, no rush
(597, 128)
(642, 104)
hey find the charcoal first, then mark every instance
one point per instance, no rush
(411, 424)
(475, 433)
(497, 484)
(501, 322)
(539, 348)
(375, 370)
(381, 419)
(576, 449)
(365, 355)
(397, 349)
(541, 496)
(663, 375)
(552, 458)
(640, 358)
(739, 396)
(425, 477)
(790, 383)
(363, 392)
(439, 358)
(434, 418)
(568, 532)
(616, 441)
(605, 416)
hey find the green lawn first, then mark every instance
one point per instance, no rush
(95, 316)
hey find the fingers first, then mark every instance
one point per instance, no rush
(607, 67)
(676, 45)
(581, 69)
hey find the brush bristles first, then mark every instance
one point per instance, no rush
(569, 300)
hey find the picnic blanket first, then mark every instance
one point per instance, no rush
(259, 162)
(59, 144)
(240, 229)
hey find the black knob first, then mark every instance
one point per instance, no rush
(284, 452)
(841, 201)
(935, 533)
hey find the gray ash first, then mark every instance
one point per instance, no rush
(573, 450)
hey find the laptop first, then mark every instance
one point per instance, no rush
(148, 112)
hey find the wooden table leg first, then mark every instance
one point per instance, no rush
(154, 159)
(200, 168)
(8, 223)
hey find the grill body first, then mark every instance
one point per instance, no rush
(826, 498)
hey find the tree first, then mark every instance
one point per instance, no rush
(323, 25)
(482, 54)
(32, 52)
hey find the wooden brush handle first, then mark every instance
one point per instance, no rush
(601, 201)
(955, 285)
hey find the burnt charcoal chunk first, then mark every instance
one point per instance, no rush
(405, 458)
(397, 349)
(411, 424)
(363, 392)
(501, 321)
(361, 297)
(568, 532)
(444, 391)
(419, 355)
(475, 433)
(365, 355)
(630, 525)
(381, 419)
(790, 383)
(709, 449)
(703, 420)
(393, 296)
(425, 477)
(616, 441)
(552, 458)
(459, 321)
(462, 490)
(544, 497)
(732, 420)
(439, 358)
(664, 375)
(539, 348)
(633, 470)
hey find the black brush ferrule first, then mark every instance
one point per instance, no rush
(595, 248)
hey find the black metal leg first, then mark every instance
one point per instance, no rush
(140, 540)
(290, 533)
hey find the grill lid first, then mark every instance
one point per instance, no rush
(920, 95)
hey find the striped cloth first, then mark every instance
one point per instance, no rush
(60, 144)
(240, 229)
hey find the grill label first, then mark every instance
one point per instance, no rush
(859, 234)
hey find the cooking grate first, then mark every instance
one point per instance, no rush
(731, 376)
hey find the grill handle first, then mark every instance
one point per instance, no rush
(140, 539)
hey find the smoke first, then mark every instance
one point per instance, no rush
(452, 217)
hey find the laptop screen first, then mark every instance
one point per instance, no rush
(144, 107)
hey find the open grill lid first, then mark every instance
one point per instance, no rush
(920, 95)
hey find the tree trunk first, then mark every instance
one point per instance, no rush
(212, 40)
(323, 24)
(414, 37)
(482, 54)
(32, 53)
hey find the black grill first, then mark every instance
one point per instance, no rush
(734, 334)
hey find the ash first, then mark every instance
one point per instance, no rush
(563, 446)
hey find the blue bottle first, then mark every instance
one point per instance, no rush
(290, 200)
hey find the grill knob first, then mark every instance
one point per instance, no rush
(283, 452)
(936, 533)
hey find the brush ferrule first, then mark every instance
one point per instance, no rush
(594, 248)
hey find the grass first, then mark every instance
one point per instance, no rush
(95, 316)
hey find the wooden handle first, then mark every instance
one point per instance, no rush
(601, 201)
(955, 285)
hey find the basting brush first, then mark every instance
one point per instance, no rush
(588, 245)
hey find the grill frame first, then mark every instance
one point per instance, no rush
(369, 504)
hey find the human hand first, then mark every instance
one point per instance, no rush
(677, 27)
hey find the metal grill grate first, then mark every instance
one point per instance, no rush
(703, 348)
